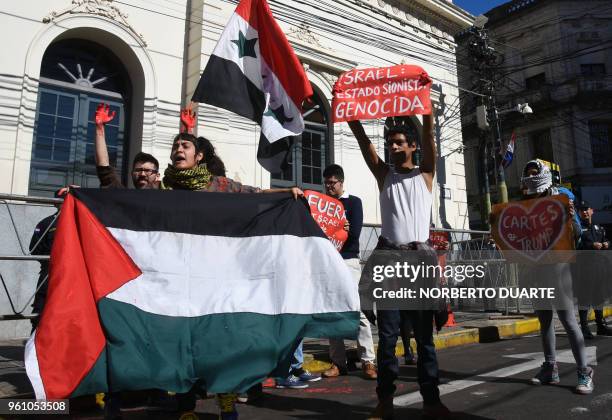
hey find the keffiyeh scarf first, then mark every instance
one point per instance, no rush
(537, 184)
(186, 179)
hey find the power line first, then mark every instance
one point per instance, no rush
(564, 56)
(446, 60)
(332, 27)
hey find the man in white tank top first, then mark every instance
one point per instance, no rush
(405, 202)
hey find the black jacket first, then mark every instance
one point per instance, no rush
(591, 233)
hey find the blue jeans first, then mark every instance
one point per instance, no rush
(297, 360)
(389, 322)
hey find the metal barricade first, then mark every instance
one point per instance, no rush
(24, 252)
(467, 247)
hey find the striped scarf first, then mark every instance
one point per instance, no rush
(194, 179)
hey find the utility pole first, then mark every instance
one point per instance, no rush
(502, 190)
(484, 182)
(483, 59)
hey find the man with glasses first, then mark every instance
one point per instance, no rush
(334, 186)
(145, 168)
(145, 175)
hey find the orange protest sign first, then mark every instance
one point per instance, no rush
(381, 92)
(330, 216)
(531, 230)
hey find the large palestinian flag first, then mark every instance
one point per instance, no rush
(254, 72)
(157, 289)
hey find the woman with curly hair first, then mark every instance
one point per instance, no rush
(195, 166)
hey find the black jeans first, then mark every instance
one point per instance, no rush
(405, 332)
(389, 322)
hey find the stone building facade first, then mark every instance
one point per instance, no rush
(554, 55)
(145, 58)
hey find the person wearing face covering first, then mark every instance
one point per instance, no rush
(537, 182)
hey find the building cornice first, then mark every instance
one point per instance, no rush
(308, 47)
(447, 10)
(104, 8)
(418, 13)
(309, 54)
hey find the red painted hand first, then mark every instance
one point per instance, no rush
(188, 120)
(103, 114)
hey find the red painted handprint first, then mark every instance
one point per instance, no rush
(188, 120)
(104, 114)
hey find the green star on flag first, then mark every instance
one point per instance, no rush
(271, 75)
(246, 47)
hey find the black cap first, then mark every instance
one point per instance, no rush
(584, 205)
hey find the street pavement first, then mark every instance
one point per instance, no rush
(480, 381)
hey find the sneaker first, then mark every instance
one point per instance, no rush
(586, 332)
(436, 411)
(585, 381)
(383, 411)
(305, 376)
(242, 398)
(334, 371)
(369, 370)
(227, 406)
(548, 375)
(292, 382)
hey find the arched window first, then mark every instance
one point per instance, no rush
(412, 129)
(310, 152)
(76, 75)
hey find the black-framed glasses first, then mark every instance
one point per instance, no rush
(147, 172)
(331, 184)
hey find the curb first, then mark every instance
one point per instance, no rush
(493, 333)
(486, 334)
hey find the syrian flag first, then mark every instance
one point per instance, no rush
(509, 152)
(254, 72)
(158, 289)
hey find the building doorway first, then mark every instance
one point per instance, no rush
(76, 76)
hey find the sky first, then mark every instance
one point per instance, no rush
(477, 7)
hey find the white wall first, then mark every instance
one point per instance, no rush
(165, 65)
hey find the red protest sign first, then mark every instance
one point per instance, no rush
(329, 215)
(362, 94)
(533, 228)
(438, 240)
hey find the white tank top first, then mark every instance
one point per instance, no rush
(405, 206)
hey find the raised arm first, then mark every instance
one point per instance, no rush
(377, 166)
(103, 115)
(428, 146)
